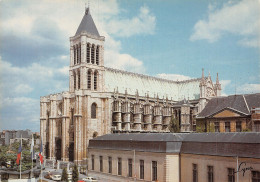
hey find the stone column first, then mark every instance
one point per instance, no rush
(157, 118)
(137, 117)
(65, 128)
(147, 117)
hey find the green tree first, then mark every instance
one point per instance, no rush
(174, 126)
(75, 173)
(64, 176)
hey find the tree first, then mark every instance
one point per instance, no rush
(174, 126)
(64, 176)
(75, 173)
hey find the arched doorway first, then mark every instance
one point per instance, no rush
(71, 152)
(47, 150)
(58, 148)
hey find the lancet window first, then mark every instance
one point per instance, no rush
(75, 54)
(77, 49)
(88, 53)
(97, 55)
(79, 55)
(74, 80)
(89, 79)
(78, 79)
(93, 54)
(95, 80)
(94, 111)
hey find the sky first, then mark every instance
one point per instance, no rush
(171, 39)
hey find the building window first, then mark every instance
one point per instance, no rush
(97, 55)
(231, 175)
(78, 79)
(75, 54)
(79, 55)
(238, 126)
(154, 170)
(95, 80)
(130, 167)
(141, 169)
(88, 53)
(89, 79)
(227, 126)
(92, 54)
(119, 166)
(210, 173)
(93, 162)
(216, 126)
(109, 164)
(101, 163)
(74, 80)
(255, 176)
(195, 172)
(94, 111)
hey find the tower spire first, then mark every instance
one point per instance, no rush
(217, 81)
(202, 82)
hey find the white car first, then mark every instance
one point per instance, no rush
(56, 177)
(90, 179)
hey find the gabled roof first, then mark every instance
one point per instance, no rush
(240, 103)
(87, 24)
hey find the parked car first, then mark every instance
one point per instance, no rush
(48, 175)
(56, 177)
(90, 179)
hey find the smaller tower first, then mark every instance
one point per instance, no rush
(217, 87)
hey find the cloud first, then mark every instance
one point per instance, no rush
(123, 62)
(174, 77)
(23, 88)
(144, 23)
(37, 31)
(20, 113)
(224, 85)
(248, 88)
(238, 18)
(34, 50)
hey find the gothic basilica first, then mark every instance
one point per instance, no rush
(104, 100)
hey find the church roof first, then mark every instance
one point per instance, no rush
(240, 103)
(87, 24)
(175, 90)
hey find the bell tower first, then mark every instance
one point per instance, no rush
(86, 57)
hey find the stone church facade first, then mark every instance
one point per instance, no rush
(103, 100)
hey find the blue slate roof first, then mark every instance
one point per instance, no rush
(87, 25)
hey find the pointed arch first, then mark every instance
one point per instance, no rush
(93, 54)
(95, 80)
(97, 55)
(89, 78)
(88, 53)
(94, 110)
